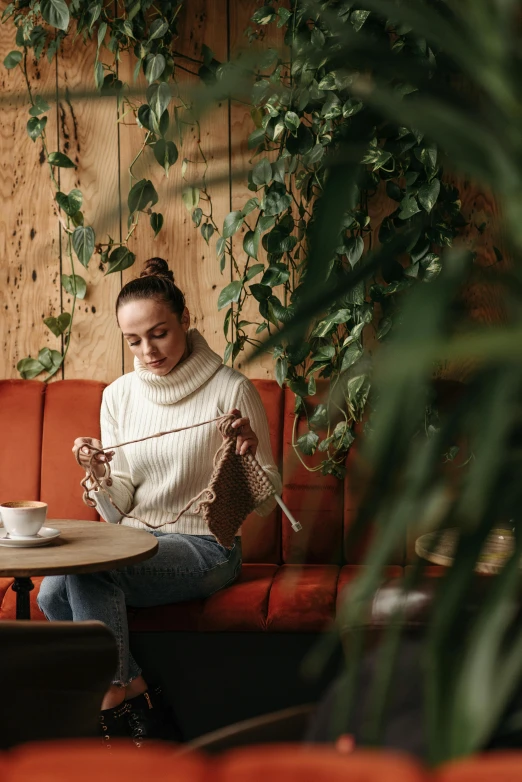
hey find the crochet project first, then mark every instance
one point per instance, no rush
(238, 483)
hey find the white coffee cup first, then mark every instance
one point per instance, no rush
(24, 518)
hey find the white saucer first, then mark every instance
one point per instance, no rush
(44, 537)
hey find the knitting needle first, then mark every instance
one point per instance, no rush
(296, 526)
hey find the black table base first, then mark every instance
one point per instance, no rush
(22, 587)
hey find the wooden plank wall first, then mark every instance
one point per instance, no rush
(32, 247)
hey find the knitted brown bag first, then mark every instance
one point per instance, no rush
(238, 485)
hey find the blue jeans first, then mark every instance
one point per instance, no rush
(186, 567)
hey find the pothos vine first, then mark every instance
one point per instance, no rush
(302, 108)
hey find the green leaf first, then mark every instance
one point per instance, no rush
(11, 61)
(325, 353)
(58, 325)
(352, 107)
(55, 13)
(35, 127)
(60, 160)
(264, 15)
(141, 195)
(159, 98)
(256, 138)
(384, 327)
(207, 230)
(432, 269)
(71, 203)
(299, 386)
(276, 199)
(50, 359)
(83, 240)
(233, 222)
(251, 244)
(230, 294)
(190, 198)
(145, 118)
(428, 194)
(102, 30)
(260, 292)
(40, 107)
(251, 204)
(262, 173)
(409, 207)
(276, 274)
(292, 121)
(220, 252)
(120, 259)
(166, 153)
(158, 29)
(393, 191)
(354, 250)
(358, 18)
(302, 142)
(156, 222)
(325, 326)
(307, 443)
(352, 354)
(281, 368)
(154, 67)
(29, 368)
(74, 285)
(254, 270)
(319, 419)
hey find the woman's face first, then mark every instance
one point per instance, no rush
(155, 334)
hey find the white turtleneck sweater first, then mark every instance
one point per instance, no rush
(156, 478)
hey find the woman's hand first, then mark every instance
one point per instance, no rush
(83, 455)
(246, 438)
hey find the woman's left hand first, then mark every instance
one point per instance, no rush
(246, 438)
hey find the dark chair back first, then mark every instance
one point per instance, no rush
(54, 676)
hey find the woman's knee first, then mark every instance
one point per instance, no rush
(52, 594)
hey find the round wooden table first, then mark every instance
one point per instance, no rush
(83, 547)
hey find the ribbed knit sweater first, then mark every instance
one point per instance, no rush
(156, 478)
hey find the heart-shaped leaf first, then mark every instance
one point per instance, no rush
(156, 222)
(83, 240)
(159, 99)
(251, 244)
(40, 107)
(50, 359)
(120, 259)
(207, 229)
(55, 13)
(74, 285)
(60, 160)
(154, 67)
(190, 198)
(141, 195)
(71, 203)
(307, 443)
(10, 62)
(233, 222)
(166, 153)
(29, 368)
(230, 294)
(428, 194)
(158, 29)
(35, 127)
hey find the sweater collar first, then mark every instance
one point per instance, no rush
(185, 378)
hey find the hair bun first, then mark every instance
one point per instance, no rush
(157, 267)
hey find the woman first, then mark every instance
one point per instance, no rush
(177, 381)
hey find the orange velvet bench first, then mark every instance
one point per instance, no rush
(265, 623)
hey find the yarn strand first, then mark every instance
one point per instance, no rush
(257, 485)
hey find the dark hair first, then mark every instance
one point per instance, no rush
(155, 282)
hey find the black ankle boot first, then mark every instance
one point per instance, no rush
(149, 717)
(113, 723)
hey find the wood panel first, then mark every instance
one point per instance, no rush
(179, 242)
(29, 236)
(241, 125)
(89, 135)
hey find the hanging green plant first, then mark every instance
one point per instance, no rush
(148, 32)
(302, 107)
